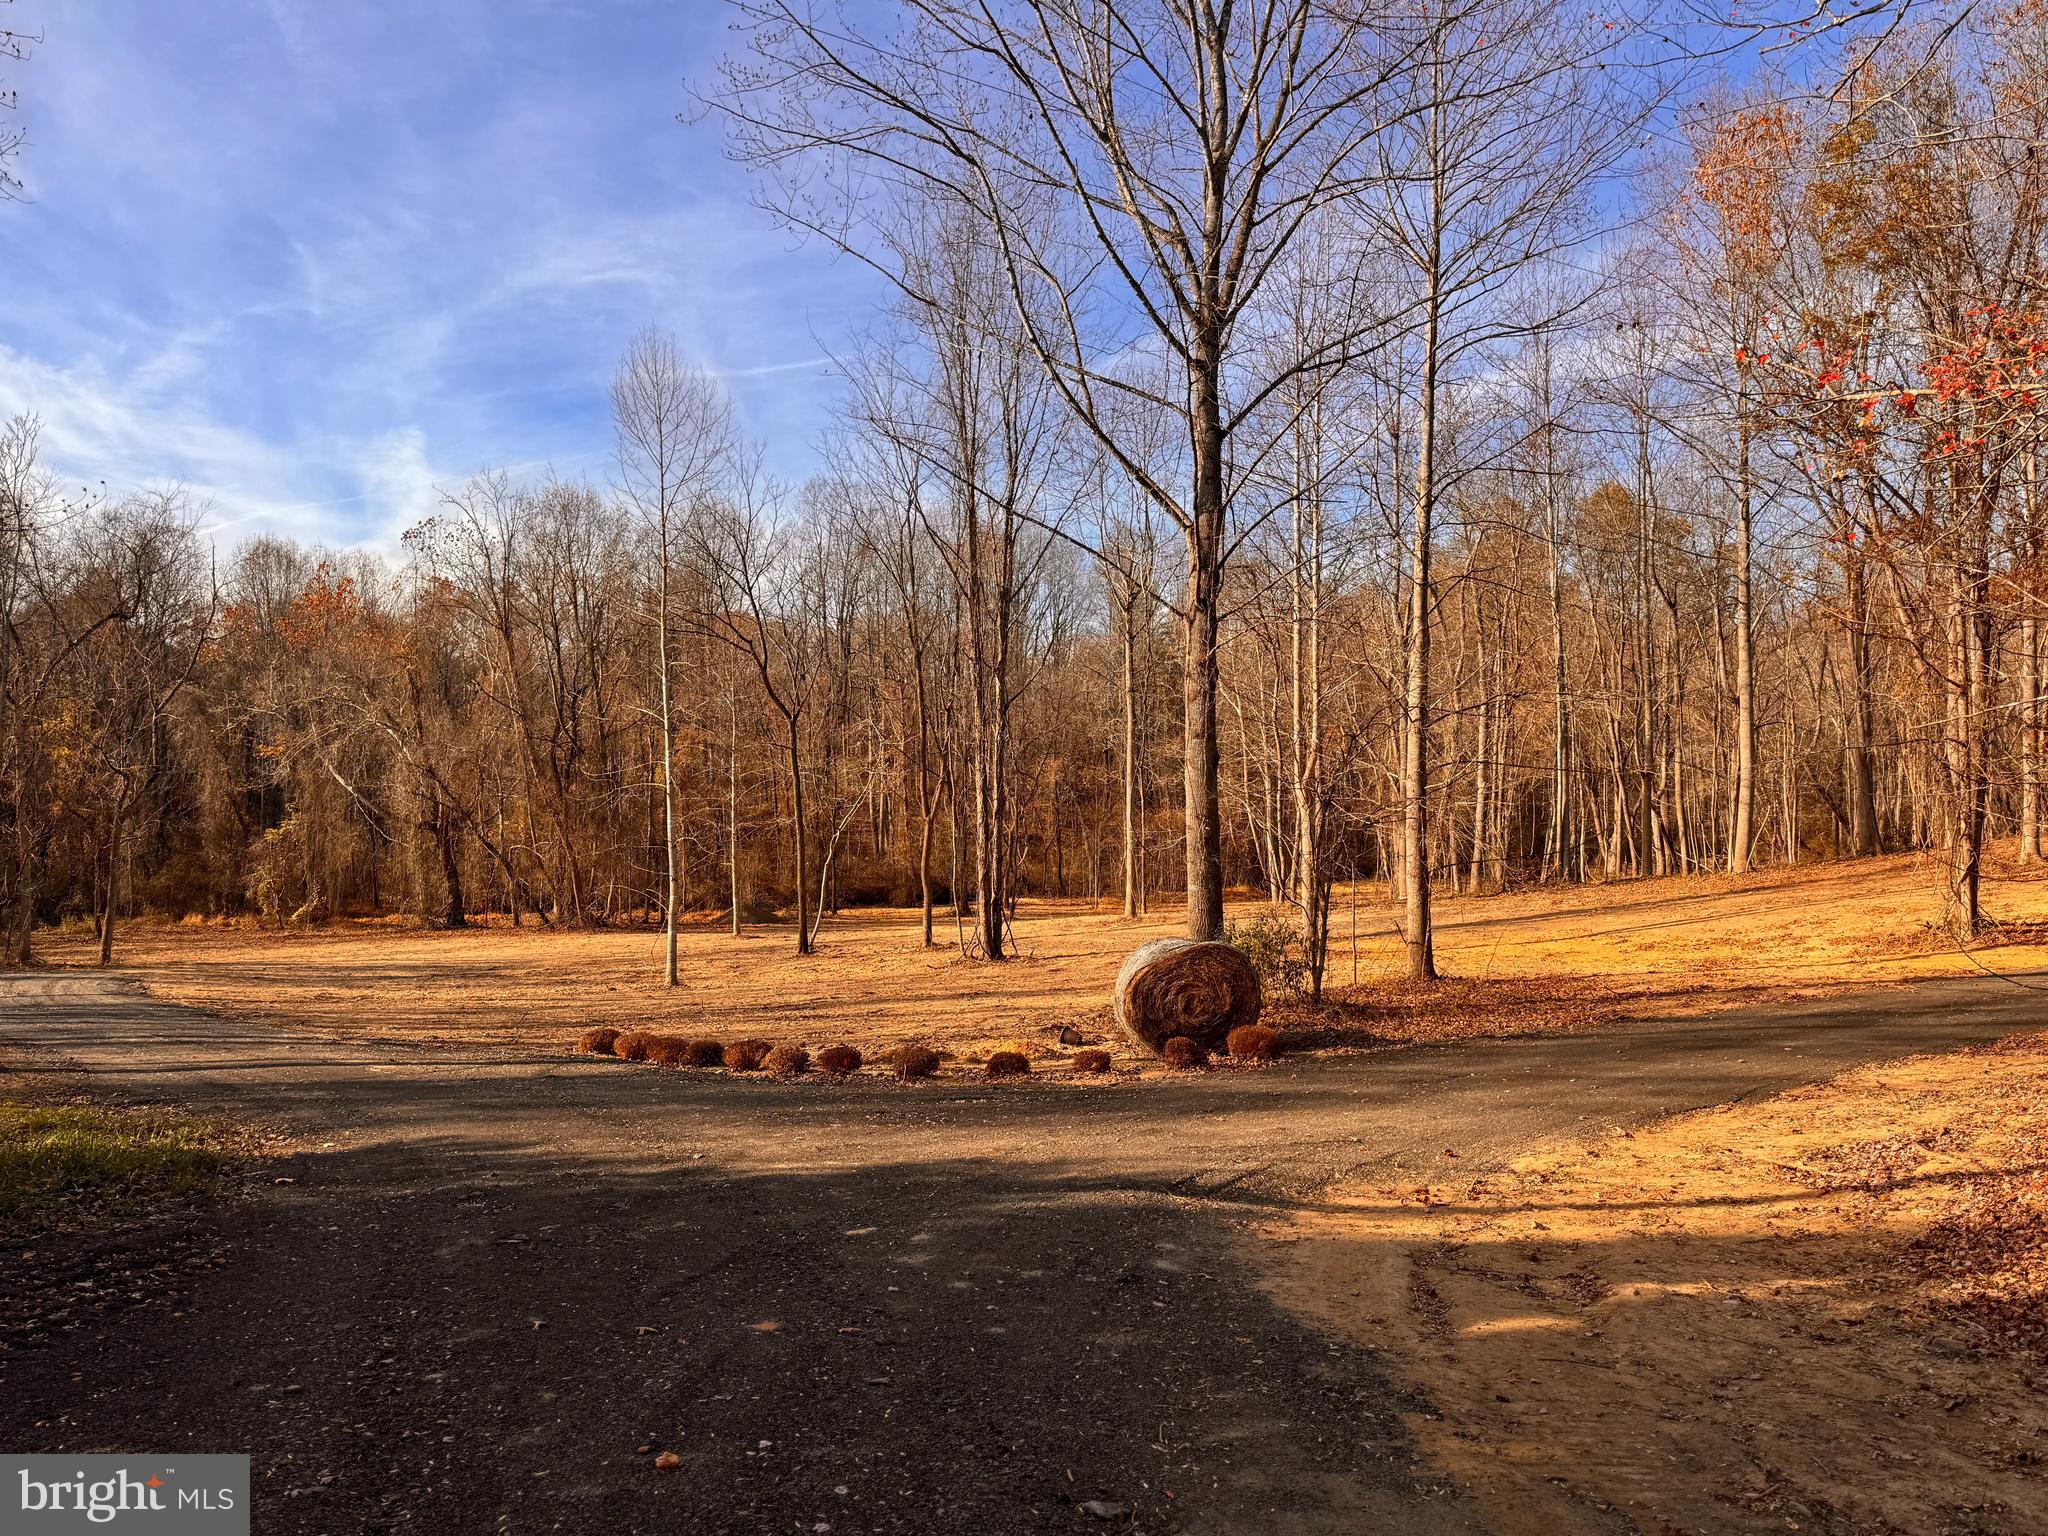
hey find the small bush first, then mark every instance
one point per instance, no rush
(838, 1060)
(1009, 1064)
(632, 1045)
(1275, 948)
(788, 1061)
(910, 1061)
(745, 1055)
(1253, 1042)
(1089, 1063)
(598, 1042)
(666, 1050)
(704, 1053)
(1184, 1055)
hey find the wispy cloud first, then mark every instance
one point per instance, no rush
(319, 262)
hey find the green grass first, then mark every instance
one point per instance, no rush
(61, 1159)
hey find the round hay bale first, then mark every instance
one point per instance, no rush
(1202, 990)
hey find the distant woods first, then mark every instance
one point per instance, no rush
(1301, 449)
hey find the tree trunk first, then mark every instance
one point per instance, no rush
(1420, 937)
(1198, 673)
(1131, 815)
(1862, 783)
(453, 913)
(796, 837)
(112, 895)
(1742, 831)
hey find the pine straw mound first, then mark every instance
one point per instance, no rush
(913, 1061)
(1254, 1042)
(666, 1050)
(838, 1060)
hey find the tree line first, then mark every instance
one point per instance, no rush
(1302, 447)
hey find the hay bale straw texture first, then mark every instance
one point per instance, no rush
(1185, 987)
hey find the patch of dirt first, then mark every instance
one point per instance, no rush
(1827, 1311)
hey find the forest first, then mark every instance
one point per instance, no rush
(1268, 767)
(1503, 459)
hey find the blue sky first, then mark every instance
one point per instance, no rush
(317, 259)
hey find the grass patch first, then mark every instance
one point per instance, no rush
(58, 1159)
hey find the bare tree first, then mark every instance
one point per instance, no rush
(1138, 168)
(674, 434)
(16, 48)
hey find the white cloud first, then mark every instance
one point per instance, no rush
(130, 432)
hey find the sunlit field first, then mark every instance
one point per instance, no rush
(1557, 958)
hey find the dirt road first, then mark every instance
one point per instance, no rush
(858, 1308)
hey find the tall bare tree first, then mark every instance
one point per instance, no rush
(674, 434)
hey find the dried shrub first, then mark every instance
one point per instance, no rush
(1254, 1042)
(1276, 950)
(1184, 1055)
(788, 1061)
(598, 1042)
(911, 1061)
(666, 1050)
(704, 1053)
(838, 1060)
(1090, 1063)
(632, 1045)
(1009, 1064)
(745, 1055)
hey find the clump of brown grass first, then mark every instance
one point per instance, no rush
(911, 1061)
(1253, 1042)
(666, 1050)
(839, 1060)
(598, 1042)
(745, 1055)
(1090, 1063)
(703, 1053)
(788, 1061)
(1184, 1055)
(1009, 1064)
(632, 1045)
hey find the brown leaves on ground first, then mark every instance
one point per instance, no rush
(1829, 1308)
(1401, 1012)
(1984, 1265)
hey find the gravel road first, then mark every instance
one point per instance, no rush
(477, 1285)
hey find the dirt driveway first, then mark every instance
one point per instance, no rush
(858, 1308)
